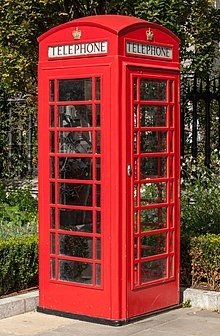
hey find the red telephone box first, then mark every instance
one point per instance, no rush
(108, 169)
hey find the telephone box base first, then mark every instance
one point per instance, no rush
(113, 323)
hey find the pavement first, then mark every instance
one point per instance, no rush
(178, 322)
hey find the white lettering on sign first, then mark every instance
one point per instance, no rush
(92, 48)
(149, 50)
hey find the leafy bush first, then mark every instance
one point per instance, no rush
(205, 254)
(18, 263)
(18, 212)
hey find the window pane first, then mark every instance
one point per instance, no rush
(52, 218)
(98, 195)
(76, 194)
(75, 220)
(97, 88)
(75, 271)
(75, 246)
(98, 248)
(52, 269)
(153, 270)
(153, 141)
(52, 116)
(153, 219)
(98, 116)
(98, 169)
(153, 193)
(52, 142)
(75, 116)
(153, 116)
(153, 89)
(152, 167)
(75, 142)
(75, 89)
(52, 193)
(52, 243)
(98, 222)
(51, 88)
(153, 245)
(75, 168)
(98, 274)
(52, 167)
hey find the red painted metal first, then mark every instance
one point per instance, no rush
(127, 263)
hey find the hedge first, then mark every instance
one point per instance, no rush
(18, 263)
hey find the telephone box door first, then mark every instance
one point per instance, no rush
(153, 213)
(75, 265)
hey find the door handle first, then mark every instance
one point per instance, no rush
(129, 170)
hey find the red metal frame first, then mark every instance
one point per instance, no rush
(120, 294)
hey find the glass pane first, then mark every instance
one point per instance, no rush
(51, 88)
(52, 218)
(135, 195)
(75, 271)
(152, 167)
(171, 241)
(153, 193)
(171, 266)
(153, 141)
(98, 222)
(98, 248)
(171, 91)
(135, 142)
(98, 116)
(135, 88)
(52, 193)
(76, 194)
(98, 143)
(75, 142)
(135, 116)
(52, 243)
(153, 219)
(135, 248)
(52, 142)
(75, 116)
(98, 169)
(75, 89)
(52, 269)
(52, 167)
(98, 195)
(153, 245)
(75, 220)
(52, 116)
(153, 270)
(171, 116)
(153, 89)
(75, 168)
(98, 274)
(76, 246)
(153, 116)
(135, 221)
(97, 88)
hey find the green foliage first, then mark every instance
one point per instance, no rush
(18, 263)
(200, 198)
(205, 254)
(196, 22)
(187, 304)
(18, 212)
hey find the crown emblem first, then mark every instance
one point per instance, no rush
(77, 34)
(150, 35)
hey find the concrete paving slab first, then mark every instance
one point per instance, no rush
(179, 322)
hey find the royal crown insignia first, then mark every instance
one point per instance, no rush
(150, 35)
(77, 34)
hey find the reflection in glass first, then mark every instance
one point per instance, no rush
(153, 89)
(75, 116)
(52, 167)
(135, 116)
(153, 270)
(52, 193)
(152, 167)
(75, 142)
(52, 218)
(98, 248)
(75, 246)
(98, 274)
(76, 194)
(153, 219)
(152, 141)
(153, 245)
(51, 88)
(153, 116)
(52, 116)
(135, 195)
(75, 220)
(52, 268)
(75, 271)
(98, 222)
(52, 142)
(153, 193)
(75, 89)
(75, 168)
(135, 142)
(97, 88)
(98, 116)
